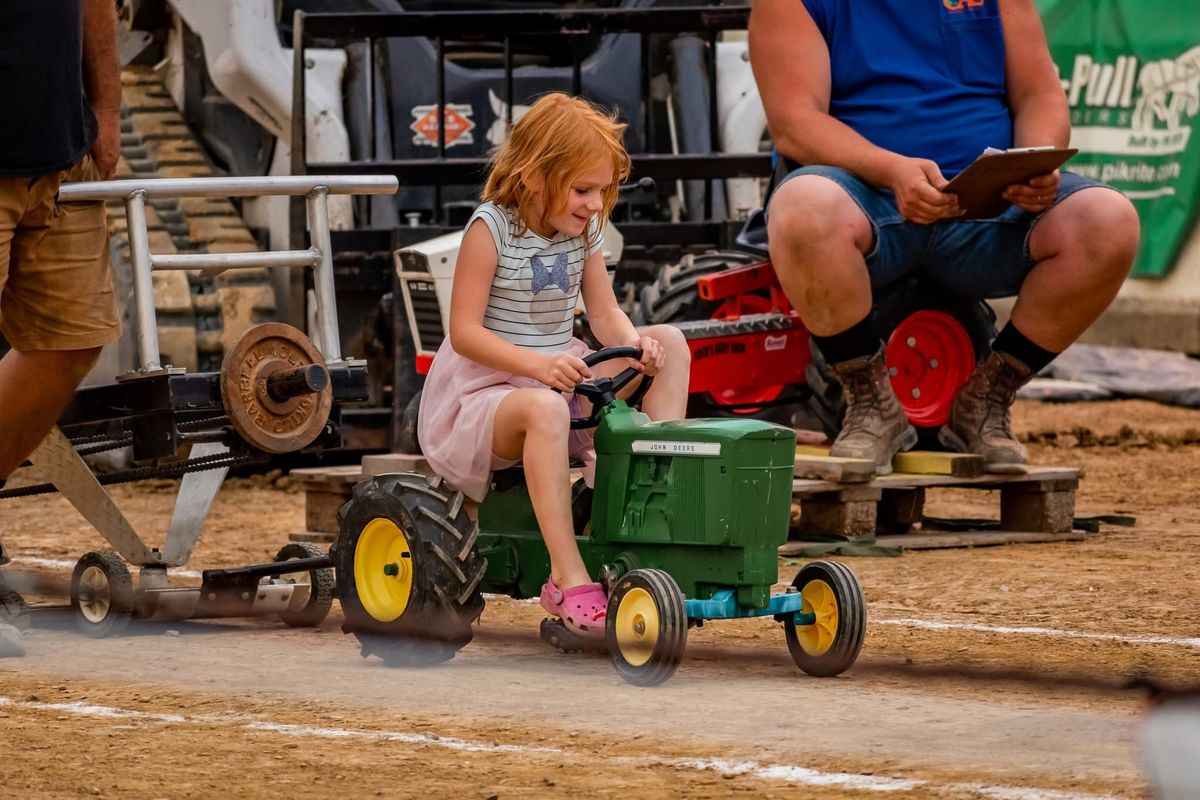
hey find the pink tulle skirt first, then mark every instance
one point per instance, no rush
(457, 418)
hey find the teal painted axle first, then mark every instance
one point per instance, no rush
(723, 605)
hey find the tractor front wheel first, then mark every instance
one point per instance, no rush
(646, 628)
(408, 572)
(830, 645)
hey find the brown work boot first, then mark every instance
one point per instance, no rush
(875, 426)
(981, 419)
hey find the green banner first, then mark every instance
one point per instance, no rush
(1131, 71)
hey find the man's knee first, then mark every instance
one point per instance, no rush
(810, 211)
(1101, 226)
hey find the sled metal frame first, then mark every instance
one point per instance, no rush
(315, 189)
(162, 391)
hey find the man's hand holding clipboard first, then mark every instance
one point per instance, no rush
(1026, 177)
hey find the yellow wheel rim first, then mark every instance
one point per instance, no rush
(820, 601)
(637, 627)
(383, 570)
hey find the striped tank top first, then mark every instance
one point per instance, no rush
(536, 287)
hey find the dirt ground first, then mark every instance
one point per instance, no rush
(995, 672)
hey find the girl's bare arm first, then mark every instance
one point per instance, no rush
(609, 323)
(473, 274)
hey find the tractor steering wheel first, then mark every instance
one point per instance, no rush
(602, 391)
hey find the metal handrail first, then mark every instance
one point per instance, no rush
(315, 189)
(274, 185)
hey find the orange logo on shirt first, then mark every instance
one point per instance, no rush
(959, 5)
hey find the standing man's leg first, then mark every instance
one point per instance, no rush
(819, 237)
(1082, 249)
(57, 310)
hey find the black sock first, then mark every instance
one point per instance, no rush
(857, 341)
(1016, 344)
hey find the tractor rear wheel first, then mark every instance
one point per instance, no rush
(408, 573)
(933, 341)
(831, 644)
(673, 298)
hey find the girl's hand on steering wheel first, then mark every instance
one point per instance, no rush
(653, 355)
(563, 372)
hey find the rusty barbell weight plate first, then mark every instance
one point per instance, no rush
(262, 419)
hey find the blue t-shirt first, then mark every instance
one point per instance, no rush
(923, 78)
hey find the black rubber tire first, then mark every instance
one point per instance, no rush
(121, 596)
(673, 626)
(321, 581)
(893, 306)
(852, 620)
(408, 441)
(672, 297)
(444, 600)
(14, 610)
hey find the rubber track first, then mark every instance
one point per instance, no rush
(198, 315)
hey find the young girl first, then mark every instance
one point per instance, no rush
(500, 388)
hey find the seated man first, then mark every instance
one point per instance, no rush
(883, 101)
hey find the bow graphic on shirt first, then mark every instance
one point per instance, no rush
(544, 276)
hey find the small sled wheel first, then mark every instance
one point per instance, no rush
(830, 645)
(13, 609)
(102, 594)
(646, 628)
(319, 582)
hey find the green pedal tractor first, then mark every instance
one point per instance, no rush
(682, 526)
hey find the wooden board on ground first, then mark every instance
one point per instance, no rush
(803, 486)
(937, 540)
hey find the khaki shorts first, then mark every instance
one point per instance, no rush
(56, 292)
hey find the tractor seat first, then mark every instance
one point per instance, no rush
(507, 478)
(581, 494)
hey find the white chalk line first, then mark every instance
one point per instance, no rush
(1035, 631)
(786, 773)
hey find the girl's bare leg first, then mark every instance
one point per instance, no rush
(667, 398)
(534, 425)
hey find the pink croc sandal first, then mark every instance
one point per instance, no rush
(582, 608)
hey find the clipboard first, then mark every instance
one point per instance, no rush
(979, 186)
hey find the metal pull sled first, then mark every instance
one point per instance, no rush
(277, 392)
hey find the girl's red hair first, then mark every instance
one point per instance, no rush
(549, 147)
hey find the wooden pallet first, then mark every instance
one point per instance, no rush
(1038, 505)
(326, 489)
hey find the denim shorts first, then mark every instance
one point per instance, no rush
(977, 259)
